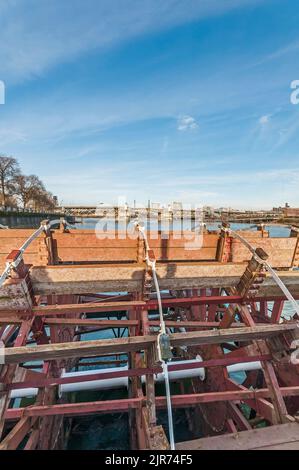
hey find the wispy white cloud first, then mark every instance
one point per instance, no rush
(186, 123)
(230, 178)
(278, 53)
(286, 129)
(82, 134)
(37, 35)
(165, 145)
(9, 134)
(263, 120)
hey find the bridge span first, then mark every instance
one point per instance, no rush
(169, 214)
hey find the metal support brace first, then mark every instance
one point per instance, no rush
(253, 277)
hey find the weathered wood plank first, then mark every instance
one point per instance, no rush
(86, 245)
(193, 338)
(280, 250)
(91, 322)
(137, 343)
(81, 279)
(129, 277)
(15, 295)
(247, 440)
(16, 435)
(94, 307)
(77, 349)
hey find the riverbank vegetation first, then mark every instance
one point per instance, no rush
(19, 191)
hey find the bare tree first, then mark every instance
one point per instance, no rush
(9, 170)
(18, 189)
(28, 189)
(43, 200)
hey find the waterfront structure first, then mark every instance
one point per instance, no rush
(291, 212)
(176, 210)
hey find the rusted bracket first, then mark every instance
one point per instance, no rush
(46, 246)
(18, 268)
(248, 286)
(17, 291)
(253, 276)
(223, 254)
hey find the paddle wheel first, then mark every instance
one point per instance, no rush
(210, 319)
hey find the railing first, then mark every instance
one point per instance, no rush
(19, 210)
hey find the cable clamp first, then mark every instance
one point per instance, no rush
(164, 348)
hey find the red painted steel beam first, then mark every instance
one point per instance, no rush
(17, 434)
(263, 407)
(10, 320)
(71, 409)
(137, 372)
(91, 322)
(93, 307)
(87, 297)
(128, 323)
(211, 299)
(180, 401)
(113, 406)
(196, 324)
(96, 307)
(277, 311)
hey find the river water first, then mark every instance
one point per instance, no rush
(33, 221)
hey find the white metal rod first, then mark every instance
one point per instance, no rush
(122, 382)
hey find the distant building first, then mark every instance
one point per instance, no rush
(224, 209)
(176, 206)
(209, 211)
(290, 212)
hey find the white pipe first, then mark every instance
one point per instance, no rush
(24, 392)
(122, 382)
(244, 367)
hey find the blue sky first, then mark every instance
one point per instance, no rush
(176, 100)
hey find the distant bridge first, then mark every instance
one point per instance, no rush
(80, 211)
(129, 212)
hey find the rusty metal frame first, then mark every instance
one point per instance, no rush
(57, 319)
